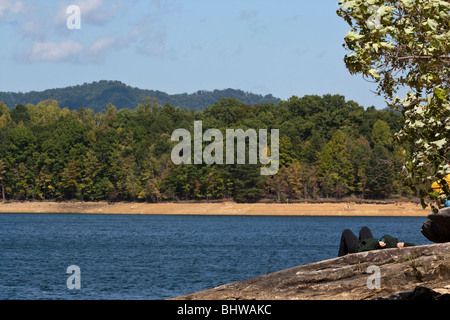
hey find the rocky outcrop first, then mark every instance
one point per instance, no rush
(383, 274)
(419, 293)
(437, 227)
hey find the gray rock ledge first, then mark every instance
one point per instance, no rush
(348, 278)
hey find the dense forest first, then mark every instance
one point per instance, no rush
(329, 148)
(98, 95)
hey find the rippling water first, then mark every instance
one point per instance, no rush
(158, 257)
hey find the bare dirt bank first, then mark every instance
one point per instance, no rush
(225, 208)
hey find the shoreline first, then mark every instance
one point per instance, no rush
(401, 209)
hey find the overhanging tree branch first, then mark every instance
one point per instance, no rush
(442, 57)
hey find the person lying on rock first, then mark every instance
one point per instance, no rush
(366, 242)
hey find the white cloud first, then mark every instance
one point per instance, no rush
(153, 44)
(95, 12)
(97, 51)
(149, 35)
(33, 29)
(101, 45)
(88, 5)
(70, 51)
(8, 7)
(53, 51)
(49, 40)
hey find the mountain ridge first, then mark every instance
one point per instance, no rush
(98, 94)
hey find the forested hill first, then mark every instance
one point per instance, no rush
(98, 95)
(328, 147)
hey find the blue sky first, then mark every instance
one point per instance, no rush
(282, 47)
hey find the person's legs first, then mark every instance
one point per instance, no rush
(348, 243)
(365, 233)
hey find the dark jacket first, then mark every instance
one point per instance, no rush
(373, 244)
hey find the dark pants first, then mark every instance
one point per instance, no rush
(349, 241)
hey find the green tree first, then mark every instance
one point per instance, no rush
(22, 181)
(405, 45)
(293, 180)
(312, 148)
(90, 169)
(381, 134)
(215, 184)
(21, 145)
(335, 169)
(70, 180)
(2, 179)
(309, 181)
(122, 154)
(5, 116)
(20, 114)
(287, 183)
(381, 174)
(286, 151)
(361, 153)
(248, 184)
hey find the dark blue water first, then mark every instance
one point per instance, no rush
(157, 257)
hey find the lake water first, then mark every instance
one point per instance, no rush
(124, 257)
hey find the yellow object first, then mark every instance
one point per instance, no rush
(437, 185)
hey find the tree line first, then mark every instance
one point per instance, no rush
(97, 95)
(329, 148)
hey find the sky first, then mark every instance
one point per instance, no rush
(285, 47)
